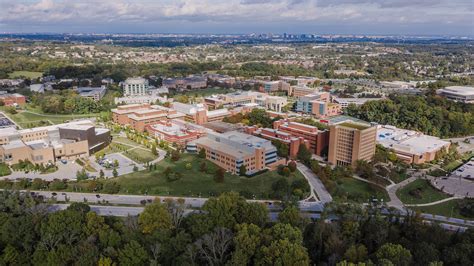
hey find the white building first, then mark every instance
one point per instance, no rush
(458, 93)
(344, 102)
(135, 86)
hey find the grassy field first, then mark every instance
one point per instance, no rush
(194, 182)
(448, 208)
(140, 155)
(4, 169)
(28, 120)
(418, 192)
(26, 74)
(208, 91)
(357, 191)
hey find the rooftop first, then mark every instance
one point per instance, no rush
(460, 90)
(350, 124)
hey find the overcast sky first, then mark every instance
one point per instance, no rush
(450, 17)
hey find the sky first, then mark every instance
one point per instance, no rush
(401, 17)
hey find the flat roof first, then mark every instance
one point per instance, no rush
(354, 125)
(459, 90)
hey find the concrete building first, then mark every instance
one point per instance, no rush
(272, 86)
(93, 93)
(191, 82)
(463, 94)
(301, 90)
(410, 146)
(12, 99)
(43, 145)
(344, 102)
(149, 99)
(318, 104)
(138, 116)
(198, 113)
(135, 86)
(274, 103)
(349, 142)
(318, 139)
(233, 149)
(38, 88)
(175, 131)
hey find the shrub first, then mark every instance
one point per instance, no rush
(219, 175)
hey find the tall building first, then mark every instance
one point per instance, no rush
(135, 86)
(349, 142)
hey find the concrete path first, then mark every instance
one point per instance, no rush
(432, 203)
(315, 183)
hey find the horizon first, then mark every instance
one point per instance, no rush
(341, 17)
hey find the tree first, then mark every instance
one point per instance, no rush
(154, 151)
(215, 247)
(132, 254)
(291, 215)
(247, 243)
(81, 175)
(175, 156)
(219, 175)
(155, 217)
(356, 253)
(292, 166)
(283, 252)
(101, 173)
(202, 153)
(286, 171)
(114, 172)
(304, 155)
(203, 167)
(394, 253)
(242, 170)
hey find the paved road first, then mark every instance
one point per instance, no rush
(315, 184)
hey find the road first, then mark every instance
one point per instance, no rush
(315, 183)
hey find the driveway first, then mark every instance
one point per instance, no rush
(318, 190)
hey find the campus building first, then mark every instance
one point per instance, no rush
(463, 94)
(344, 102)
(191, 82)
(274, 103)
(318, 104)
(300, 90)
(273, 86)
(138, 116)
(198, 113)
(410, 146)
(233, 149)
(48, 144)
(135, 86)
(93, 93)
(349, 142)
(12, 99)
(175, 131)
(318, 139)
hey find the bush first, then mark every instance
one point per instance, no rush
(111, 188)
(57, 185)
(292, 165)
(175, 156)
(188, 166)
(219, 175)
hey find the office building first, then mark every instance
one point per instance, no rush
(43, 145)
(188, 83)
(273, 86)
(198, 113)
(463, 94)
(410, 146)
(135, 86)
(230, 100)
(344, 102)
(138, 116)
(93, 93)
(175, 131)
(233, 149)
(12, 99)
(318, 104)
(301, 90)
(318, 139)
(349, 142)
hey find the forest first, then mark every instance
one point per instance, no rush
(430, 114)
(228, 231)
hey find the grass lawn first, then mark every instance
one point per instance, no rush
(452, 166)
(28, 120)
(420, 191)
(140, 155)
(4, 169)
(448, 208)
(208, 91)
(196, 183)
(357, 191)
(26, 74)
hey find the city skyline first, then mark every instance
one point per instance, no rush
(394, 17)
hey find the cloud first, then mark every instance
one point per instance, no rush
(246, 13)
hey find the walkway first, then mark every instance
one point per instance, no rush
(315, 183)
(432, 203)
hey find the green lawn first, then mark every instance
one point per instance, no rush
(452, 166)
(448, 208)
(29, 120)
(420, 191)
(357, 191)
(4, 169)
(26, 74)
(196, 183)
(208, 91)
(140, 155)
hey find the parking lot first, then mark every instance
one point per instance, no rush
(5, 121)
(125, 165)
(460, 182)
